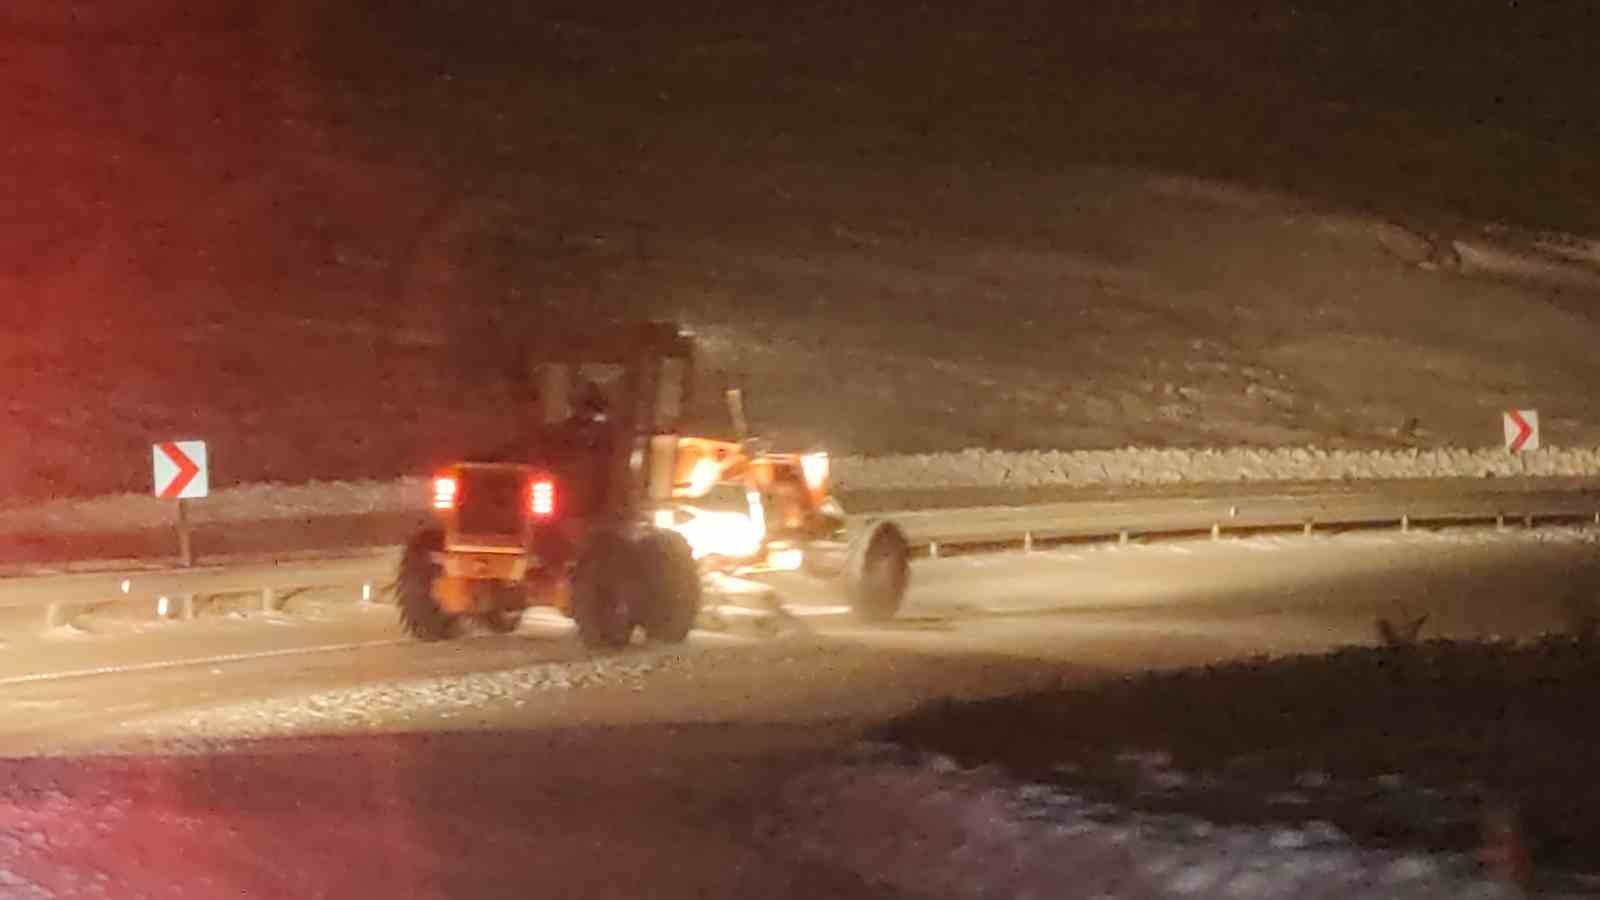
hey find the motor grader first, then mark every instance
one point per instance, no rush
(607, 513)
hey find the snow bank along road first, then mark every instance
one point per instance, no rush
(968, 473)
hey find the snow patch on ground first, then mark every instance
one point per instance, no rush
(1561, 266)
(934, 829)
(1581, 250)
(69, 631)
(15, 887)
(445, 697)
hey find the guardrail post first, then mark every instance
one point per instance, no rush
(1500, 522)
(1122, 537)
(1216, 531)
(269, 600)
(1027, 542)
(1307, 530)
(933, 549)
(55, 616)
(1527, 521)
(1405, 523)
(186, 607)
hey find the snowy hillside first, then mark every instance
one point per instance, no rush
(316, 235)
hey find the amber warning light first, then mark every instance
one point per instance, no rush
(814, 467)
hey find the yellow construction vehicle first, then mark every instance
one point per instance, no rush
(607, 513)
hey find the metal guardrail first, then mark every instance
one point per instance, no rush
(59, 593)
(1242, 512)
(1241, 509)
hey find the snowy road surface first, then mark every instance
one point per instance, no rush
(496, 765)
(287, 554)
(1273, 593)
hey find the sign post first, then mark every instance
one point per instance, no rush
(185, 541)
(181, 473)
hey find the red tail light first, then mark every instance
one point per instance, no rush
(444, 492)
(542, 496)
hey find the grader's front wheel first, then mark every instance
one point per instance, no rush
(878, 571)
(673, 601)
(606, 590)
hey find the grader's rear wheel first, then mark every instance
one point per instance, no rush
(606, 590)
(419, 614)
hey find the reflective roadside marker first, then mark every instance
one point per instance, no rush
(127, 585)
(366, 592)
(161, 607)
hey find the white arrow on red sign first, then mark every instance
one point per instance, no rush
(1522, 430)
(180, 469)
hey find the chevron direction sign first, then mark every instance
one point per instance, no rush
(180, 469)
(1522, 430)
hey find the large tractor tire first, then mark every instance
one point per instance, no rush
(419, 614)
(607, 590)
(877, 571)
(673, 599)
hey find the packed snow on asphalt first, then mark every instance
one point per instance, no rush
(924, 825)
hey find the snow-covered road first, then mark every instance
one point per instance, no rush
(1237, 596)
(771, 704)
